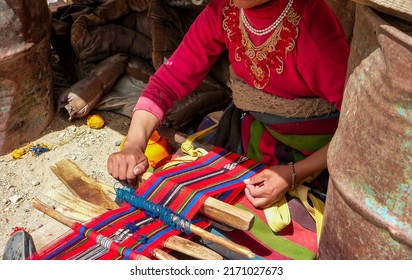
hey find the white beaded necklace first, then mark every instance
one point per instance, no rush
(270, 28)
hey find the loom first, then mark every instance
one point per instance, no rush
(161, 215)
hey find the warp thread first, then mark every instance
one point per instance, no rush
(156, 211)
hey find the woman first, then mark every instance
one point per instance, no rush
(289, 60)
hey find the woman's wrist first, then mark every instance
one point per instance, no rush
(293, 175)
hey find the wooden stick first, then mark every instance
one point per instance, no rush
(162, 255)
(222, 241)
(71, 223)
(191, 248)
(73, 214)
(227, 214)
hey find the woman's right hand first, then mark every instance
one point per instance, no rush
(127, 164)
(131, 161)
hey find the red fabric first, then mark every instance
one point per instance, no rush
(315, 67)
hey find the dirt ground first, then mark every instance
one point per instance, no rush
(22, 180)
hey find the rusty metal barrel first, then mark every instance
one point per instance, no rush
(368, 213)
(26, 79)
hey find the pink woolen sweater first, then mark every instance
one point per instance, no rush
(309, 59)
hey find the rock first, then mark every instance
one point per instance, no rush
(15, 198)
(35, 183)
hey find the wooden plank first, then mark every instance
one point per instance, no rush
(79, 205)
(73, 178)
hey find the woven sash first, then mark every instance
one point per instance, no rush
(248, 98)
(121, 232)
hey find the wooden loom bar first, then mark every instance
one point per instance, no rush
(222, 241)
(191, 248)
(162, 255)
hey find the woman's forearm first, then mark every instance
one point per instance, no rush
(141, 128)
(311, 165)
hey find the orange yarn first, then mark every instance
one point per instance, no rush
(95, 121)
(157, 149)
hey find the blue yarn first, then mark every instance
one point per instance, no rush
(154, 210)
(132, 227)
(38, 150)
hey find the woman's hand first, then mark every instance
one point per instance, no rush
(268, 186)
(131, 162)
(127, 164)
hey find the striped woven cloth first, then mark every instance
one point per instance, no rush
(121, 233)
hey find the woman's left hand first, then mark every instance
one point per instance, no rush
(268, 186)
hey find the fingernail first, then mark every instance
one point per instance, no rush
(137, 171)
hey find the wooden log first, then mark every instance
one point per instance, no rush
(71, 175)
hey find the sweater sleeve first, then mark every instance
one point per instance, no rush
(187, 67)
(325, 66)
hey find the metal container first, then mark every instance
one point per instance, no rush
(368, 213)
(26, 80)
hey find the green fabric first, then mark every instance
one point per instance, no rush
(278, 243)
(256, 131)
(302, 142)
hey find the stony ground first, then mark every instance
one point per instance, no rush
(30, 177)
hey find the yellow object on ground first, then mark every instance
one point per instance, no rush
(95, 121)
(157, 149)
(18, 153)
